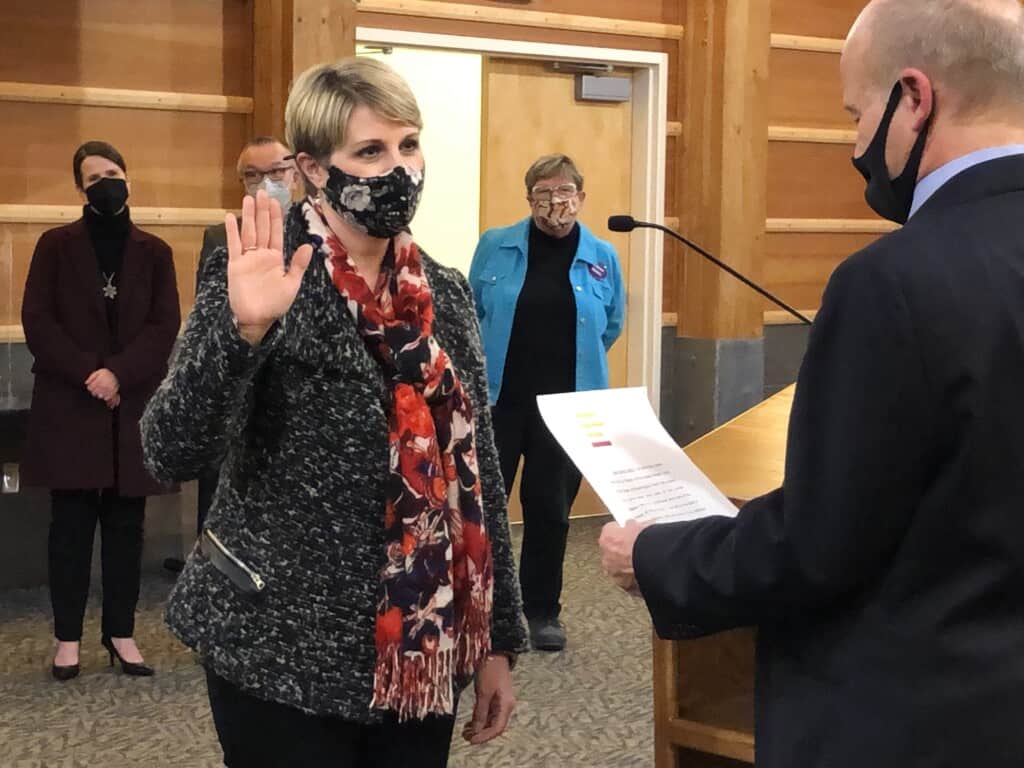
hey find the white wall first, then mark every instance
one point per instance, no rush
(449, 88)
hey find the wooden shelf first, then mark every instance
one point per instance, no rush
(12, 334)
(799, 133)
(521, 17)
(825, 226)
(807, 43)
(779, 317)
(89, 96)
(724, 742)
(17, 213)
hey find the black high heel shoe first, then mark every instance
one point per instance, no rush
(65, 673)
(128, 667)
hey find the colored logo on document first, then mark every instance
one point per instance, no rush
(594, 430)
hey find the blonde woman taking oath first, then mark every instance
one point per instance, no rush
(355, 571)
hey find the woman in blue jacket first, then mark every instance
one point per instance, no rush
(551, 302)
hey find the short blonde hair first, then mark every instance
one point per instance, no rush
(550, 166)
(323, 97)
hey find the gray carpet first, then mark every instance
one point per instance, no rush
(588, 707)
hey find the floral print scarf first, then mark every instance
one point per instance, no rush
(434, 612)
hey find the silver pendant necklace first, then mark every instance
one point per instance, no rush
(109, 290)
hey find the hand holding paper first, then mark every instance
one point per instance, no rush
(632, 463)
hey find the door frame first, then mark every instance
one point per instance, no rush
(650, 116)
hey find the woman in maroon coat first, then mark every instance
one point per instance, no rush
(101, 314)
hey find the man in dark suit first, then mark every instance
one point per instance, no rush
(262, 164)
(886, 576)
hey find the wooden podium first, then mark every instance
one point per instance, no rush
(704, 689)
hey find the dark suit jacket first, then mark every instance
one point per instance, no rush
(70, 441)
(886, 576)
(214, 237)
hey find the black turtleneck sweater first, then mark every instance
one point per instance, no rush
(108, 235)
(541, 357)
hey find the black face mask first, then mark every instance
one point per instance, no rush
(108, 196)
(890, 198)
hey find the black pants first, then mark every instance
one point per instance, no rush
(255, 733)
(547, 491)
(72, 528)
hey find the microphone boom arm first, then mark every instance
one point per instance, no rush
(747, 282)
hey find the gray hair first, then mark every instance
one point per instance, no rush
(973, 47)
(550, 166)
(257, 141)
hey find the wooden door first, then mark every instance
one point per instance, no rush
(529, 111)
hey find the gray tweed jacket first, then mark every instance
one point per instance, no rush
(300, 424)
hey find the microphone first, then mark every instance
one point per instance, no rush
(628, 224)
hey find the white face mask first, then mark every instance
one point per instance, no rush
(277, 190)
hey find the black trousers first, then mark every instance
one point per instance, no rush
(547, 491)
(72, 528)
(255, 733)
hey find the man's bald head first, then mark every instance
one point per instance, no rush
(971, 49)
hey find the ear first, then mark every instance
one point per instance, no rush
(81, 194)
(308, 166)
(918, 86)
(128, 184)
(582, 197)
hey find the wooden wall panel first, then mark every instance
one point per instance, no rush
(20, 241)
(721, 192)
(810, 180)
(597, 136)
(640, 11)
(817, 18)
(179, 159)
(798, 265)
(805, 90)
(508, 32)
(661, 11)
(814, 181)
(196, 46)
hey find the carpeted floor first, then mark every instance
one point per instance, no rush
(588, 707)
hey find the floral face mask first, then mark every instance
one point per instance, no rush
(380, 206)
(557, 207)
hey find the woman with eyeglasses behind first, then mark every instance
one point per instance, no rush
(551, 302)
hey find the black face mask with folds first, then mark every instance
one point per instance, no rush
(108, 196)
(891, 198)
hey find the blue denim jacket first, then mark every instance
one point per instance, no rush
(497, 276)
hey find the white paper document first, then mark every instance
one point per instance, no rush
(615, 439)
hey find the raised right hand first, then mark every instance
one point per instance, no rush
(260, 290)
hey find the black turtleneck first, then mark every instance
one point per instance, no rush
(541, 356)
(108, 235)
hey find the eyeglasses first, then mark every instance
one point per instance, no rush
(544, 194)
(252, 176)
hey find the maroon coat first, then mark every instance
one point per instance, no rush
(70, 435)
